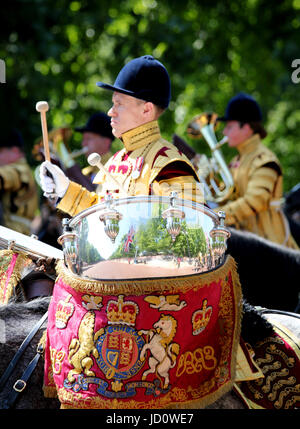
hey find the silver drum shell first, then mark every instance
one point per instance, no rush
(130, 238)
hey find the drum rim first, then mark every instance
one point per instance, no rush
(144, 198)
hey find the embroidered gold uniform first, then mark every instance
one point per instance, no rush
(163, 168)
(19, 196)
(255, 203)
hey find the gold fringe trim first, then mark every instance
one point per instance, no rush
(50, 392)
(238, 299)
(21, 261)
(146, 286)
(79, 401)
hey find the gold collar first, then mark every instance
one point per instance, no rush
(249, 145)
(141, 136)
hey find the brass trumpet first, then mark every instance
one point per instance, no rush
(213, 172)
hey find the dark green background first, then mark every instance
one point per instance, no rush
(56, 50)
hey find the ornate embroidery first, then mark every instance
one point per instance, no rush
(163, 351)
(119, 348)
(277, 386)
(280, 365)
(195, 361)
(165, 302)
(64, 311)
(57, 358)
(201, 318)
(266, 368)
(122, 312)
(130, 351)
(82, 347)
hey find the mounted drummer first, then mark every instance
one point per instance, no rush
(147, 164)
(19, 196)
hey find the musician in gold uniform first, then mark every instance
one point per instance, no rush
(147, 164)
(19, 197)
(255, 204)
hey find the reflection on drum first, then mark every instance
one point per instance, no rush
(144, 237)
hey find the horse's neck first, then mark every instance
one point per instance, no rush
(20, 318)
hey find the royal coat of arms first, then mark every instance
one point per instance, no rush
(146, 350)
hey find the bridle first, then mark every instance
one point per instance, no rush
(35, 284)
(20, 385)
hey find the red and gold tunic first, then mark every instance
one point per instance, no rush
(147, 164)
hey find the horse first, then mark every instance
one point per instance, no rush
(269, 273)
(18, 318)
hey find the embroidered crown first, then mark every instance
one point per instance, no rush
(121, 312)
(201, 318)
(64, 311)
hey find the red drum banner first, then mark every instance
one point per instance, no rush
(11, 266)
(146, 343)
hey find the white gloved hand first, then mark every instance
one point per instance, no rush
(54, 184)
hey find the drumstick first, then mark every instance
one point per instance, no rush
(94, 159)
(43, 107)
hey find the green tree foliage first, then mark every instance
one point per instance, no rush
(87, 252)
(56, 50)
(152, 238)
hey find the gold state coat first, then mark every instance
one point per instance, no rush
(257, 198)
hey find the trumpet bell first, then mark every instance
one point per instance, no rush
(199, 122)
(213, 172)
